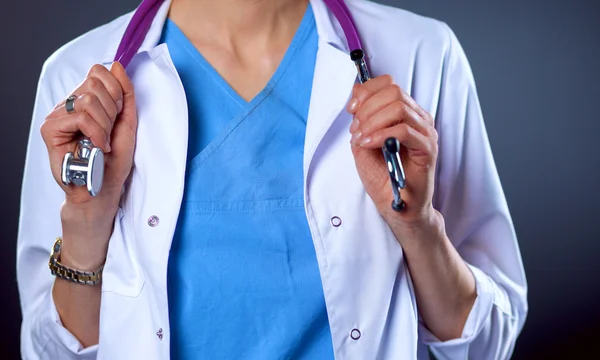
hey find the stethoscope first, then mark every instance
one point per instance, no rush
(88, 168)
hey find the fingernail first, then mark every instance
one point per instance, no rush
(356, 137)
(352, 106)
(119, 105)
(365, 141)
(354, 125)
(107, 146)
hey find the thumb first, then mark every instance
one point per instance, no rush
(129, 112)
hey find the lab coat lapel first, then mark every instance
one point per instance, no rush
(334, 77)
(161, 149)
(138, 256)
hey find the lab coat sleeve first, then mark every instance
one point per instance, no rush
(470, 197)
(42, 334)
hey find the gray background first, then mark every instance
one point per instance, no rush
(535, 63)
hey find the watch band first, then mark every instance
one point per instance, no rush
(77, 276)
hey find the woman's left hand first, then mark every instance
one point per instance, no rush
(381, 110)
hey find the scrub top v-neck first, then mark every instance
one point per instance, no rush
(243, 279)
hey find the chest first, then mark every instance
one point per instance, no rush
(353, 244)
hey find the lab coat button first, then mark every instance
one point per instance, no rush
(355, 334)
(336, 221)
(153, 221)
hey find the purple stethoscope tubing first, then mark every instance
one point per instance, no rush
(142, 20)
(143, 17)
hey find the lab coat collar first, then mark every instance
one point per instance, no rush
(328, 29)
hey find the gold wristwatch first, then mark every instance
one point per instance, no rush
(77, 276)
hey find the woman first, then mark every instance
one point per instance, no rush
(268, 233)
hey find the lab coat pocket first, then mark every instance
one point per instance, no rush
(122, 272)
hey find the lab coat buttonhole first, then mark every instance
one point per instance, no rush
(336, 221)
(153, 221)
(355, 334)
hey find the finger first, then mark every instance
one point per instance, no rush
(95, 86)
(394, 113)
(90, 103)
(378, 101)
(65, 127)
(406, 98)
(129, 112)
(361, 93)
(111, 84)
(405, 134)
(383, 98)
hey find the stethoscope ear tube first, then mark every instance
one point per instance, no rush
(391, 148)
(90, 165)
(391, 153)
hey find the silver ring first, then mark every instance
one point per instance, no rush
(70, 104)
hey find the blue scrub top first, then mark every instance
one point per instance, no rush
(243, 279)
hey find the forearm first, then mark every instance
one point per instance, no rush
(444, 285)
(79, 305)
(79, 309)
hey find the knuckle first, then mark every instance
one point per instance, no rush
(86, 124)
(427, 116)
(83, 119)
(396, 91)
(112, 112)
(434, 148)
(97, 69)
(45, 128)
(399, 109)
(116, 94)
(94, 84)
(403, 130)
(360, 115)
(387, 78)
(430, 148)
(87, 99)
(360, 93)
(429, 133)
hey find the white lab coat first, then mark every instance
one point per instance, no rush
(365, 279)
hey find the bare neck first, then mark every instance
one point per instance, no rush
(234, 23)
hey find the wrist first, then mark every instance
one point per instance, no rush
(86, 230)
(426, 230)
(83, 259)
(91, 215)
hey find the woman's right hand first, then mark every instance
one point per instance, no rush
(105, 111)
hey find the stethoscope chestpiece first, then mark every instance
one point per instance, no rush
(87, 169)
